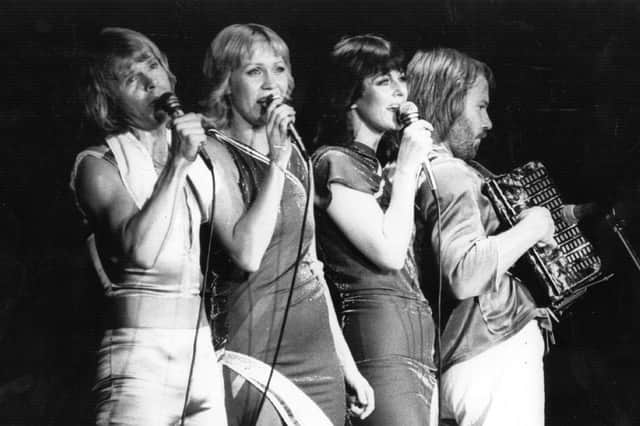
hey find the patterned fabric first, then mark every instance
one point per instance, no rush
(251, 306)
(355, 167)
(346, 268)
(385, 318)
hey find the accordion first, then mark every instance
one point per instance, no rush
(565, 271)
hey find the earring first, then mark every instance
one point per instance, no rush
(354, 106)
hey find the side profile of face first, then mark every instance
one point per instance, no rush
(261, 75)
(472, 126)
(139, 83)
(381, 96)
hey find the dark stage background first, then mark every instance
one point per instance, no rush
(568, 87)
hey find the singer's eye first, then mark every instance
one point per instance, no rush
(382, 81)
(131, 80)
(402, 77)
(254, 71)
(154, 65)
(280, 69)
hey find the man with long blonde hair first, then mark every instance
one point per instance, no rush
(144, 192)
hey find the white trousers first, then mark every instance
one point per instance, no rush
(502, 386)
(143, 373)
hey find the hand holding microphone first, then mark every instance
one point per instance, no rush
(416, 139)
(188, 128)
(272, 103)
(278, 117)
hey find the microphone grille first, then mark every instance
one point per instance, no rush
(568, 214)
(407, 113)
(170, 104)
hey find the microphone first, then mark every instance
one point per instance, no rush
(407, 114)
(574, 213)
(169, 103)
(293, 133)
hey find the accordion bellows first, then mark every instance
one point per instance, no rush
(567, 270)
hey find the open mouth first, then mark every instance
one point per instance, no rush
(265, 101)
(159, 102)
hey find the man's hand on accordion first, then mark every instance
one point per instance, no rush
(534, 227)
(539, 222)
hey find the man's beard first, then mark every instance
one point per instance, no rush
(462, 140)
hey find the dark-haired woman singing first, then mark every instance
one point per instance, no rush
(365, 229)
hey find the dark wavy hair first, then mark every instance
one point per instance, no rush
(438, 84)
(225, 54)
(114, 49)
(352, 60)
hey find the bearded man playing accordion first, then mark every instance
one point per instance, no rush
(492, 346)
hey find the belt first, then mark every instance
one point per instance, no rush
(154, 312)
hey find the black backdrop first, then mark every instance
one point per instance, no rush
(567, 94)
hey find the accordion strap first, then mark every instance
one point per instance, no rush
(545, 318)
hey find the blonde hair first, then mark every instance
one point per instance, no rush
(114, 49)
(438, 84)
(225, 54)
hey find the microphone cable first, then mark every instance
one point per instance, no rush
(285, 315)
(170, 103)
(438, 253)
(407, 113)
(202, 292)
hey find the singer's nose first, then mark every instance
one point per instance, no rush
(399, 89)
(487, 125)
(400, 92)
(399, 85)
(267, 80)
(149, 82)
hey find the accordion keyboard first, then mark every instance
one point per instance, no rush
(573, 265)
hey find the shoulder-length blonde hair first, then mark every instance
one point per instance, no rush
(225, 54)
(114, 49)
(438, 84)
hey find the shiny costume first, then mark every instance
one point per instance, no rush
(386, 320)
(146, 353)
(250, 306)
(487, 328)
